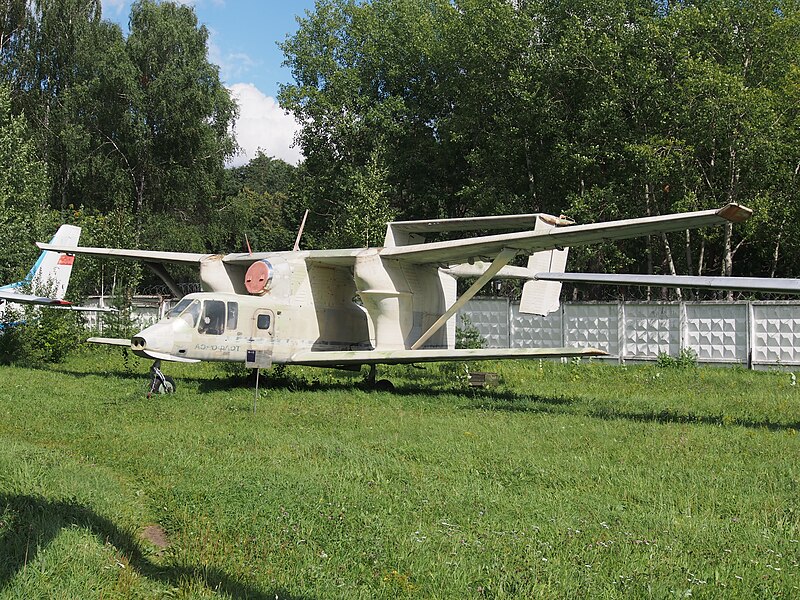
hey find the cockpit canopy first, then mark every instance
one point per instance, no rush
(211, 317)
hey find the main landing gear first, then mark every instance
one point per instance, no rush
(160, 383)
(381, 385)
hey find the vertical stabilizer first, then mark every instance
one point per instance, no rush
(542, 297)
(52, 269)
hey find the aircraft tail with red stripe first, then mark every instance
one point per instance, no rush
(52, 269)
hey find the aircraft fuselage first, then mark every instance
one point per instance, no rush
(286, 304)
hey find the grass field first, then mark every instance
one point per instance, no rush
(564, 481)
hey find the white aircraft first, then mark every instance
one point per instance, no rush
(346, 308)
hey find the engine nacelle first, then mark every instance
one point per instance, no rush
(258, 278)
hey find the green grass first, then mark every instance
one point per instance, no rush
(566, 480)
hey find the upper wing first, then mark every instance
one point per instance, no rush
(463, 250)
(30, 299)
(156, 256)
(394, 357)
(745, 284)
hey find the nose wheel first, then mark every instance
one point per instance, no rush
(160, 383)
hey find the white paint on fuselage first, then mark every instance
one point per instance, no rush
(313, 307)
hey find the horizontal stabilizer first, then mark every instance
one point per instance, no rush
(10, 296)
(744, 284)
(126, 343)
(396, 357)
(99, 309)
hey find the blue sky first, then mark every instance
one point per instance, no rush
(243, 41)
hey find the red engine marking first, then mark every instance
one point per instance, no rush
(257, 277)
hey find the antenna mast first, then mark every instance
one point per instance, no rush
(300, 232)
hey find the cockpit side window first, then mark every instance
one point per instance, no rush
(233, 316)
(213, 320)
(179, 308)
(192, 313)
(187, 309)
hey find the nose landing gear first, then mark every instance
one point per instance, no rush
(160, 383)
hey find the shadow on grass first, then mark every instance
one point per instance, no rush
(484, 399)
(116, 373)
(538, 404)
(32, 522)
(301, 384)
(668, 417)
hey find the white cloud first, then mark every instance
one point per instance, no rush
(262, 125)
(233, 65)
(113, 7)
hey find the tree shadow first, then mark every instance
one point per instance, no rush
(669, 416)
(539, 404)
(302, 384)
(30, 523)
(116, 373)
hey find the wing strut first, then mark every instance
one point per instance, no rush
(500, 261)
(159, 270)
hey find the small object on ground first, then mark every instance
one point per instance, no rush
(483, 379)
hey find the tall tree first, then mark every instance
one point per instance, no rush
(183, 113)
(44, 75)
(598, 109)
(23, 193)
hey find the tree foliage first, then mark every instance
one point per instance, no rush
(409, 109)
(23, 193)
(600, 110)
(133, 131)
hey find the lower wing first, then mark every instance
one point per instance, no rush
(745, 284)
(394, 357)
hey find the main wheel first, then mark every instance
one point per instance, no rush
(384, 385)
(167, 386)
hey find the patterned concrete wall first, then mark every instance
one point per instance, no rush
(534, 330)
(776, 334)
(490, 316)
(759, 334)
(592, 326)
(717, 331)
(650, 329)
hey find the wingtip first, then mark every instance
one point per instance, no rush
(735, 213)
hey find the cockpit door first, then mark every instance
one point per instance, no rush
(262, 330)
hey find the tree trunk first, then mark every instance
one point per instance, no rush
(647, 193)
(775, 255)
(688, 252)
(733, 189)
(701, 259)
(531, 177)
(670, 262)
